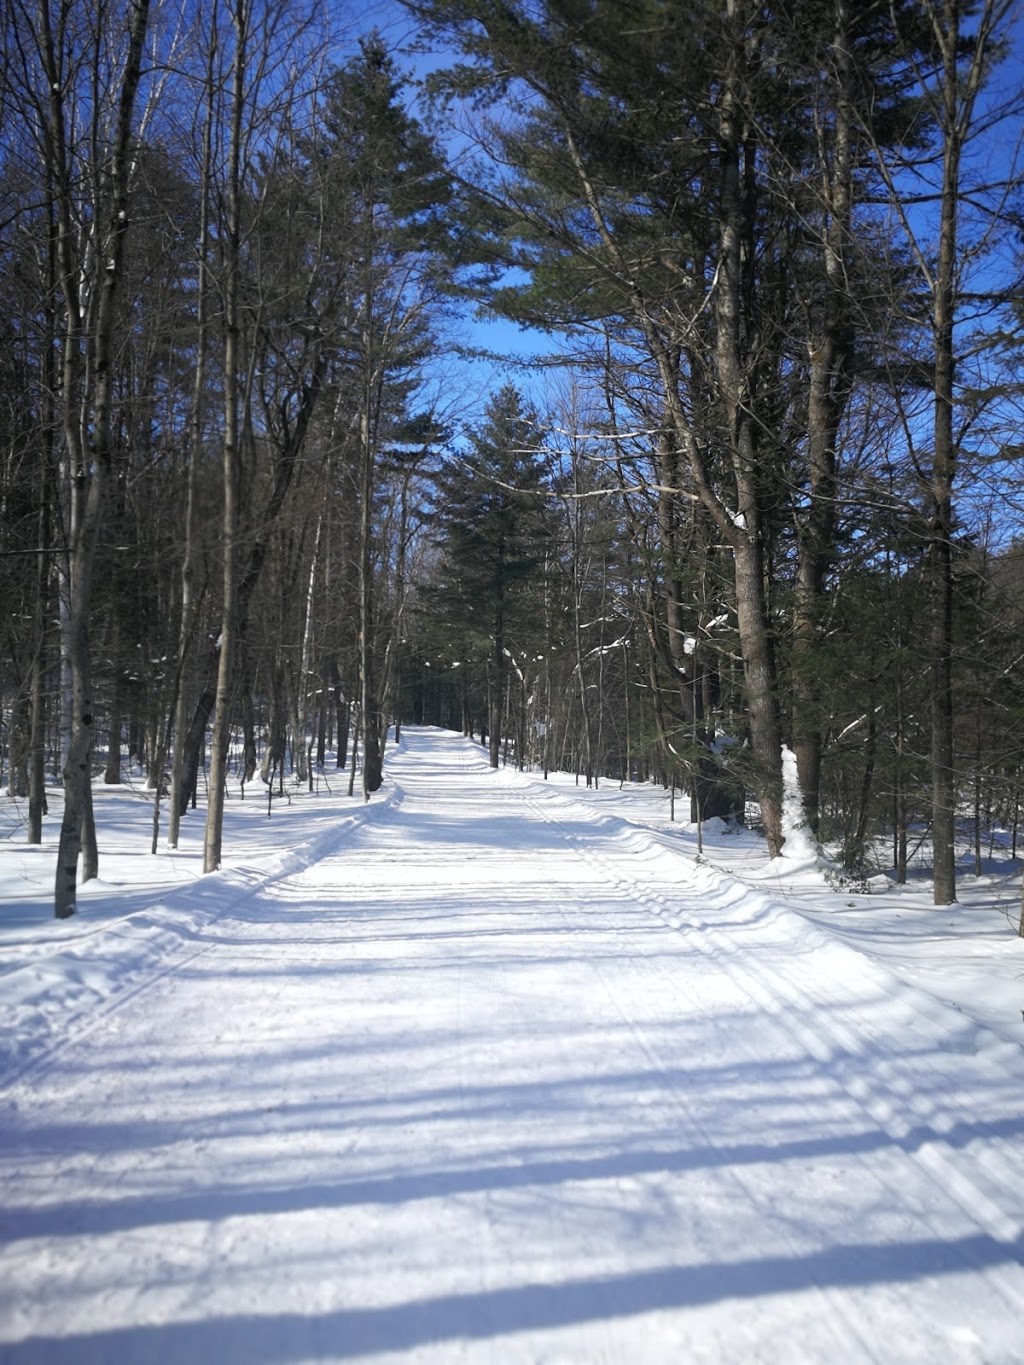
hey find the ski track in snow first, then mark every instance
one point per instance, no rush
(487, 1075)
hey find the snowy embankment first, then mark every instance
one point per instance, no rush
(487, 1071)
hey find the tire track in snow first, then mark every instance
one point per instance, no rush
(841, 1317)
(712, 1281)
(829, 1043)
(835, 1315)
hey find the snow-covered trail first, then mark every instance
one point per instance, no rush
(500, 1078)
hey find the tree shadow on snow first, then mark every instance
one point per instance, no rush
(490, 1313)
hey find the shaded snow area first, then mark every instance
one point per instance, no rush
(496, 1070)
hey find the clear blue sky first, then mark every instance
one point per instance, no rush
(394, 24)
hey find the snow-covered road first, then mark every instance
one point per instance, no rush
(493, 1076)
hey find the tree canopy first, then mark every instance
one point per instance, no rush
(759, 495)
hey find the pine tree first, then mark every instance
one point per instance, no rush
(389, 192)
(491, 526)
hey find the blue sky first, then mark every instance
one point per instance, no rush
(491, 334)
(393, 22)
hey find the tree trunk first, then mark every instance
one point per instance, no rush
(940, 554)
(112, 770)
(344, 724)
(496, 689)
(735, 360)
(36, 749)
(250, 751)
(273, 749)
(369, 719)
(42, 605)
(77, 768)
(182, 780)
(957, 95)
(230, 455)
(87, 412)
(301, 699)
(830, 350)
(710, 792)
(735, 320)
(759, 678)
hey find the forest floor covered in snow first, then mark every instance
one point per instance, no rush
(497, 1069)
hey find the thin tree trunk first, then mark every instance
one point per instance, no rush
(344, 723)
(112, 770)
(42, 605)
(180, 786)
(369, 722)
(37, 702)
(828, 388)
(273, 751)
(306, 663)
(957, 96)
(496, 690)
(231, 460)
(940, 570)
(87, 412)
(250, 751)
(357, 730)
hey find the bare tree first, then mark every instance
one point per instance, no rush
(78, 75)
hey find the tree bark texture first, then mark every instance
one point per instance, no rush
(830, 349)
(230, 455)
(86, 396)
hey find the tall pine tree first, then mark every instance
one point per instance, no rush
(491, 526)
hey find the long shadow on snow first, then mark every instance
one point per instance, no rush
(490, 1313)
(708, 1088)
(83, 1217)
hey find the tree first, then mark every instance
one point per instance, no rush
(698, 186)
(76, 83)
(964, 40)
(241, 85)
(614, 208)
(388, 191)
(491, 529)
(270, 384)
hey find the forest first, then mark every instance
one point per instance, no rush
(741, 495)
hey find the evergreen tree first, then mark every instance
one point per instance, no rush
(492, 527)
(389, 194)
(662, 187)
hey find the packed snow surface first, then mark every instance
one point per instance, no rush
(487, 1071)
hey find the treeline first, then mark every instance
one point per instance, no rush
(760, 501)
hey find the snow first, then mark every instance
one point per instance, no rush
(495, 1069)
(799, 843)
